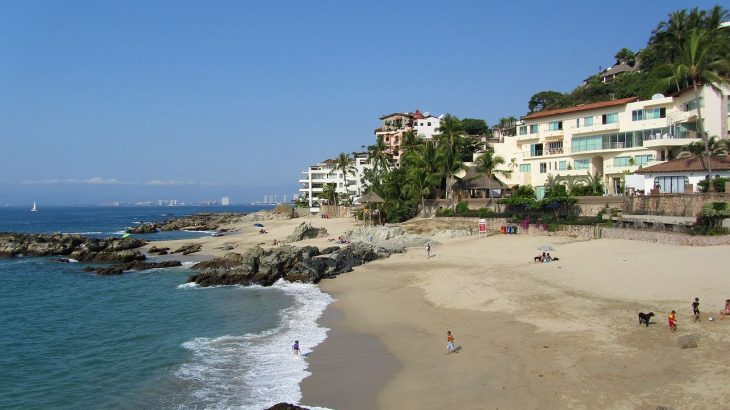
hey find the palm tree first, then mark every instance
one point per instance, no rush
(487, 165)
(343, 163)
(451, 144)
(329, 192)
(698, 62)
(572, 181)
(551, 182)
(595, 182)
(419, 183)
(715, 145)
(408, 145)
(513, 163)
(378, 155)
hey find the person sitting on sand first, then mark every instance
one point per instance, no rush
(262, 231)
(276, 242)
(548, 258)
(450, 345)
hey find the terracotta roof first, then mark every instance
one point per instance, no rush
(583, 107)
(689, 164)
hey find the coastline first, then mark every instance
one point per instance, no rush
(559, 335)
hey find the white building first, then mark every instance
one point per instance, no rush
(612, 137)
(425, 125)
(317, 176)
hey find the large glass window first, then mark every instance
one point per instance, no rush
(533, 129)
(523, 130)
(621, 161)
(692, 105)
(643, 159)
(543, 167)
(587, 121)
(555, 126)
(581, 164)
(525, 167)
(562, 165)
(670, 184)
(594, 142)
(609, 118)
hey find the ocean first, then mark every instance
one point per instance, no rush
(73, 340)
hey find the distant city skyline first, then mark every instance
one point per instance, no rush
(103, 102)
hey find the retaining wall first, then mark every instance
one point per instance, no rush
(671, 204)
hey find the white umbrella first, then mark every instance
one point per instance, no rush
(546, 248)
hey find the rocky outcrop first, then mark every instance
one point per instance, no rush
(82, 249)
(305, 230)
(393, 238)
(159, 251)
(143, 229)
(264, 267)
(189, 248)
(118, 269)
(286, 406)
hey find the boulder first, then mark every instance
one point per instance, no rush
(143, 229)
(305, 230)
(266, 266)
(286, 406)
(155, 249)
(189, 248)
(118, 269)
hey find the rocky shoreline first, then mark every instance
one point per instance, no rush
(211, 221)
(307, 264)
(77, 247)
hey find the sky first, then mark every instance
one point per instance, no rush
(142, 100)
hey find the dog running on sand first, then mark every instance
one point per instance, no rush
(644, 318)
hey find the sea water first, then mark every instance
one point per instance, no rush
(74, 340)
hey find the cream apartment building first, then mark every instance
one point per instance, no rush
(612, 137)
(317, 176)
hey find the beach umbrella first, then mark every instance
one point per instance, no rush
(258, 225)
(546, 248)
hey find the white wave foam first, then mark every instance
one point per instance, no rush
(85, 233)
(205, 232)
(122, 232)
(189, 285)
(258, 370)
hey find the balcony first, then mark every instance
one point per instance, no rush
(543, 153)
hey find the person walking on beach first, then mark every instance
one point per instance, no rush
(673, 321)
(696, 309)
(450, 346)
(428, 250)
(295, 348)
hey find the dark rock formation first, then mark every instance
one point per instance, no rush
(77, 247)
(155, 249)
(286, 406)
(265, 266)
(189, 248)
(305, 230)
(143, 229)
(118, 269)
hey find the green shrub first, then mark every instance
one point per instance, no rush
(445, 212)
(462, 207)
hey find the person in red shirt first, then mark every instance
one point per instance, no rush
(450, 345)
(673, 321)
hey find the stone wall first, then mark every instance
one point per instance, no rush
(671, 204)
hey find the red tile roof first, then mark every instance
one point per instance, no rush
(583, 107)
(689, 164)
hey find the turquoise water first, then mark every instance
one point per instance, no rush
(74, 340)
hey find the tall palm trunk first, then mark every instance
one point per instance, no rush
(708, 166)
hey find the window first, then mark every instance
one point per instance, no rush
(525, 167)
(523, 130)
(533, 129)
(609, 118)
(543, 167)
(429, 124)
(562, 165)
(587, 121)
(581, 164)
(555, 126)
(594, 142)
(670, 184)
(643, 159)
(648, 114)
(621, 161)
(692, 105)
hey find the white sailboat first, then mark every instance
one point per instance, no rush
(34, 209)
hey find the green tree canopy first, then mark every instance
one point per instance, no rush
(474, 126)
(547, 100)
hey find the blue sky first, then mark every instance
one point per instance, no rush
(135, 100)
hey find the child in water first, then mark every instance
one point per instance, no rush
(295, 348)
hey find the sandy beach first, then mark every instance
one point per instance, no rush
(530, 335)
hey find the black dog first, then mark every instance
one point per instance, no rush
(645, 318)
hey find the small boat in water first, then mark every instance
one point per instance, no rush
(34, 209)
